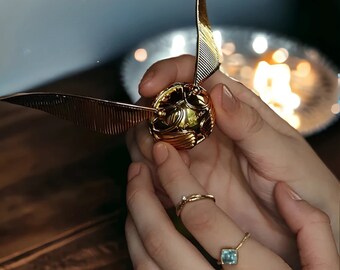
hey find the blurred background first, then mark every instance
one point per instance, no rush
(44, 40)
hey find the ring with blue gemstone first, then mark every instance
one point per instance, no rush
(230, 255)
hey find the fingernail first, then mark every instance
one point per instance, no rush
(228, 100)
(161, 153)
(134, 170)
(292, 194)
(146, 79)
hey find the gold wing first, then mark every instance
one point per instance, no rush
(113, 117)
(94, 114)
(207, 54)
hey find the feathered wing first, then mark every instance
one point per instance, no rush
(207, 54)
(94, 114)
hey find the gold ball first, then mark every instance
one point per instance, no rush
(185, 116)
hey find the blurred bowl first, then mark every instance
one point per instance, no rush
(294, 79)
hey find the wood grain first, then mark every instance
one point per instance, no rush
(55, 177)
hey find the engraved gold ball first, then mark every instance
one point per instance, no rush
(185, 115)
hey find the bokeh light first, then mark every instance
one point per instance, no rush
(141, 55)
(260, 44)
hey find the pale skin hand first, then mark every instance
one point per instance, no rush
(154, 242)
(249, 151)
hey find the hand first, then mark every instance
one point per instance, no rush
(154, 243)
(249, 151)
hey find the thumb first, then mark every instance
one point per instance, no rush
(312, 226)
(251, 129)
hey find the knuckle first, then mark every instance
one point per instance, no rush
(199, 216)
(169, 178)
(187, 57)
(256, 102)
(136, 140)
(254, 123)
(154, 243)
(144, 141)
(133, 194)
(318, 216)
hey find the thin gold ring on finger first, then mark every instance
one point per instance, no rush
(230, 255)
(191, 198)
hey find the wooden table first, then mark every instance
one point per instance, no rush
(62, 189)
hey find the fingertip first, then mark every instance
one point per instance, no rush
(225, 100)
(216, 96)
(229, 112)
(143, 140)
(134, 170)
(139, 178)
(146, 81)
(315, 240)
(169, 161)
(297, 212)
(284, 192)
(286, 199)
(160, 152)
(165, 72)
(216, 92)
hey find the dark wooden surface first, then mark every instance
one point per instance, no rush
(62, 189)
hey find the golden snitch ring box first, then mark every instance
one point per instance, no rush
(185, 115)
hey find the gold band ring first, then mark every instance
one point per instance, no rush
(230, 255)
(191, 198)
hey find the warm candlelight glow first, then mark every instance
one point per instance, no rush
(303, 69)
(260, 44)
(335, 109)
(272, 83)
(296, 81)
(280, 56)
(293, 120)
(218, 38)
(228, 48)
(247, 72)
(178, 45)
(141, 55)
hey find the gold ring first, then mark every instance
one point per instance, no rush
(191, 198)
(230, 255)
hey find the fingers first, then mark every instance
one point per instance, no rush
(154, 227)
(245, 95)
(247, 120)
(271, 145)
(139, 257)
(259, 141)
(240, 104)
(205, 221)
(241, 115)
(165, 72)
(312, 226)
(181, 69)
(274, 155)
(140, 143)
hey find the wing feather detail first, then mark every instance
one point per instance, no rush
(207, 54)
(98, 115)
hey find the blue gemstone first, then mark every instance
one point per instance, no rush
(229, 256)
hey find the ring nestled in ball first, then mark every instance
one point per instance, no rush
(186, 115)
